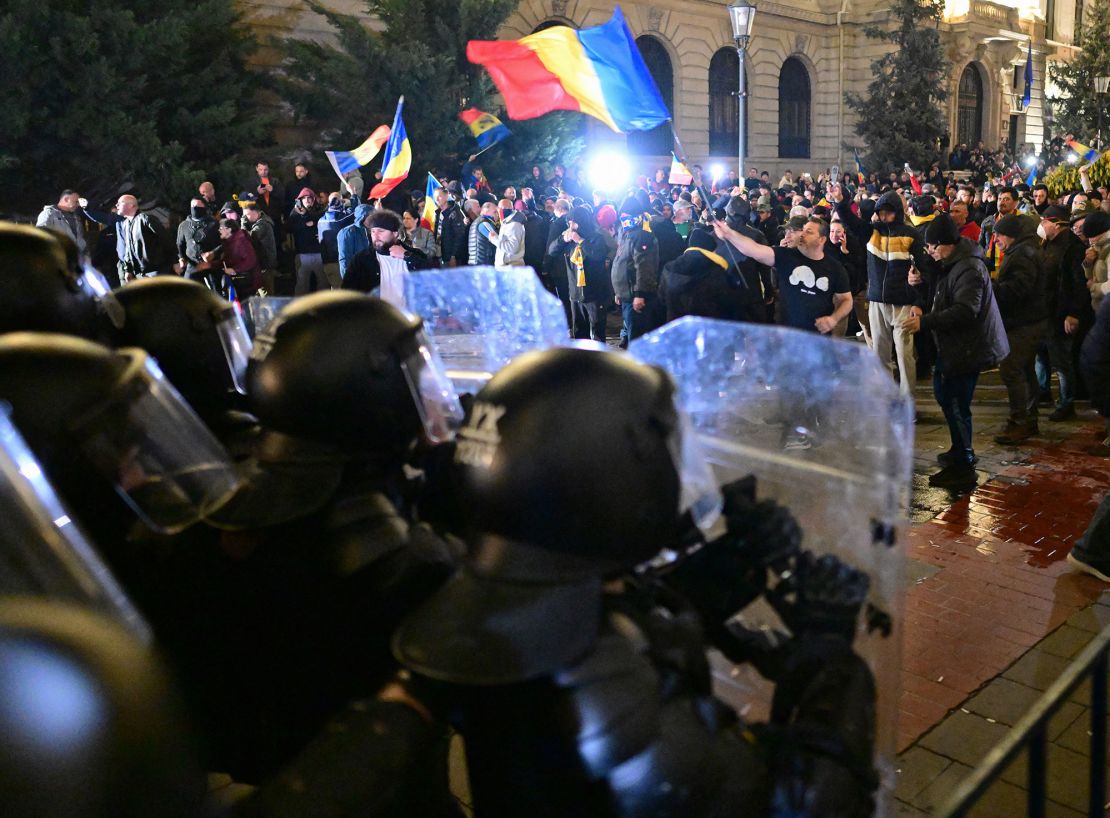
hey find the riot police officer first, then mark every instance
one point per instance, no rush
(580, 692)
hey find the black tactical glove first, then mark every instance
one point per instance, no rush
(822, 595)
(766, 531)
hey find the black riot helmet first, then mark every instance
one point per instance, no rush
(199, 339)
(96, 417)
(91, 726)
(528, 453)
(40, 289)
(343, 368)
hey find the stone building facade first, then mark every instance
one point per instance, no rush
(803, 57)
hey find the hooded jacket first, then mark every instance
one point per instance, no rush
(596, 258)
(964, 319)
(698, 283)
(1020, 284)
(353, 239)
(636, 266)
(195, 237)
(302, 225)
(892, 248)
(328, 228)
(509, 241)
(671, 245)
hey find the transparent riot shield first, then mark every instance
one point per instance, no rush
(261, 310)
(42, 552)
(479, 318)
(821, 425)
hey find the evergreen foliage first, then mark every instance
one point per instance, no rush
(901, 117)
(106, 95)
(415, 49)
(1076, 109)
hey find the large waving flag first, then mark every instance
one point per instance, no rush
(398, 157)
(486, 129)
(343, 162)
(680, 174)
(1085, 153)
(428, 217)
(598, 71)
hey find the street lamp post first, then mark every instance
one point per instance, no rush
(1101, 86)
(742, 15)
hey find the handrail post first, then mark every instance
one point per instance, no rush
(1037, 773)
(1098, 736)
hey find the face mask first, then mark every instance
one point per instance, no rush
(1041, 232)
(198, 212)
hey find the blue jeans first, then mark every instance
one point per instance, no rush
(1056, 354)
(954, 394)
(637, 323)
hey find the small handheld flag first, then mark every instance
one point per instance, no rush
(680, 174)
(343, 162)
(598, 71)
(1028, 77)
(859, 166)
(428, 217)
(1031, 179)
(486, 129)
(398, 157)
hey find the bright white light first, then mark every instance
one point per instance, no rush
(718, 171)
(1073, 158)
(609, 172)
(1030, 161)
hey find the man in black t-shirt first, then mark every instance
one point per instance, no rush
(813, 287)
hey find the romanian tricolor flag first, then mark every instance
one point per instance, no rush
(598, 71)
(1086, 154)
(428, 217)
(343, 162)
(680, 174)
(398, 157)
(487, 129)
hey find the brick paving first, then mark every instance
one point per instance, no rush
(994, 614)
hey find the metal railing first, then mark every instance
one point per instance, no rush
(1032, 732)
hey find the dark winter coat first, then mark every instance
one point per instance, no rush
(141, 246)
(671, 245)
(892, 248)
(451, 234)
(597, 258)
(699, 283)
(535, 241)
(1094, 359)
(198, 236)
(302, 226)
(364, 274)
(636, 266)
(964, 319)
(1020, 285)
(1065, 282)
(262, 237)
(327, 232)
(554, 264)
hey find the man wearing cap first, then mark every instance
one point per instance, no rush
(635, 271)
(768, 223)
(683, 213)
(969, 336)
(1069, 305)
(309, 263)
(386, 262)
(1020, 290)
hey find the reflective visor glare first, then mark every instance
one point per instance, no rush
(700, 493)
(94, 281)
(162, 459)
(236, 342)
(41, 549)
(434, 394)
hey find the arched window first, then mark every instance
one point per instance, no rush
(724, 70)
(969, 107)
(658, 141)
(546, 24)
(794, 96)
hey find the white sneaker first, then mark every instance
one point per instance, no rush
(1086, 568)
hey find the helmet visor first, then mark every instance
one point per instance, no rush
(432, 391)
(700, 494)
(42, 551)
(161, 458)
(236, 342)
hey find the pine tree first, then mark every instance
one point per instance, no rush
(901, 118)
(107, 95)
(1076, 109)
(418, 51)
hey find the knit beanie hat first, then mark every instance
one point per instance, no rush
(386, 220)
(700, 237)
(1009, 226)
(1096, 224)
(942, 230)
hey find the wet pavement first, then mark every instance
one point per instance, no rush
(993, 611)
